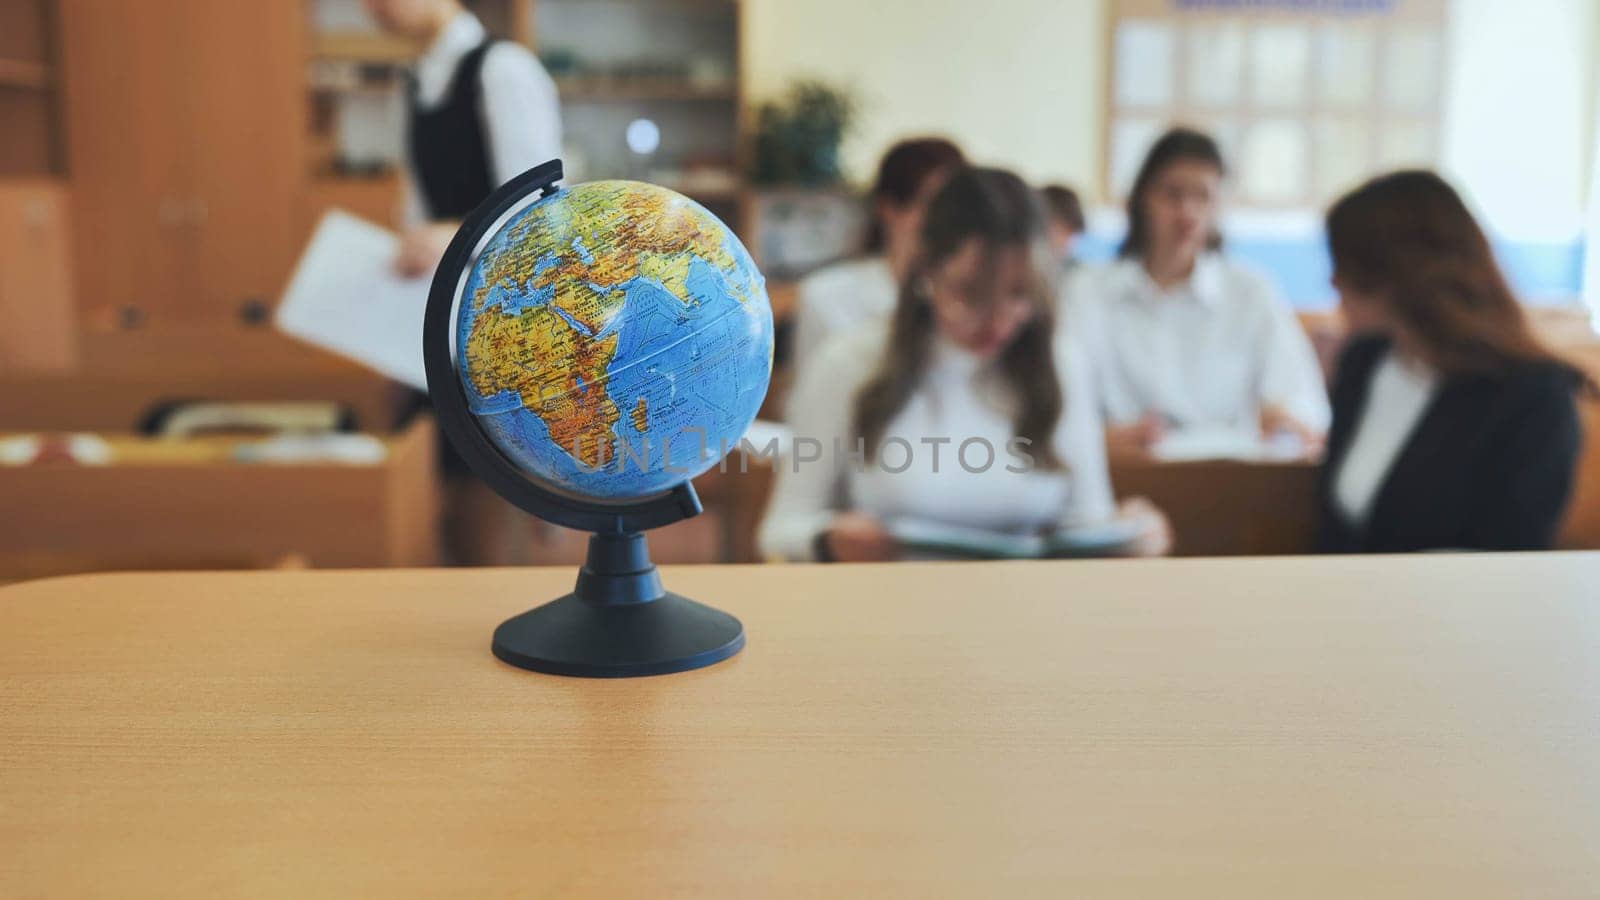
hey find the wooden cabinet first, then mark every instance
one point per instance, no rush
(185, 151)
(31, 143)
(161, 504)
(36, 310)
(36, 321)
(376, 199)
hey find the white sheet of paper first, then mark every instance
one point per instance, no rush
(346, 298)
(1191, 444)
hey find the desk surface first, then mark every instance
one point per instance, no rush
(1266, 728)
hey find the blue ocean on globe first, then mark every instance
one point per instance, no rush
(614, 339)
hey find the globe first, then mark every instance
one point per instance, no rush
(613, 339)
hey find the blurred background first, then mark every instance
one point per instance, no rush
(163, 164)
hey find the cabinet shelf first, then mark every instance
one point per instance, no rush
(364, 47)
(626, 89)
(372, 89)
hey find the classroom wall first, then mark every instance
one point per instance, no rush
(1591, 265)
(1519, 114)
(1020, 83)
(1519, 132)
(1016, 82)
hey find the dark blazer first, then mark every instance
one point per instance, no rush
(1488, 467)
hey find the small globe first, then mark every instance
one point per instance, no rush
(614, 339)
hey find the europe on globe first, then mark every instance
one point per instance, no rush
(614, 339)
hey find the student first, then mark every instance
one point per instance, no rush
(968, 360)
(480, 112)
(1182, 336)
(1064, 222)
(1452, 426)
(848, 294)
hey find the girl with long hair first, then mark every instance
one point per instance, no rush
(1184, 337)
(1453, 427)
(964, 408)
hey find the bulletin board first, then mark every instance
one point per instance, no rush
(1305, 97)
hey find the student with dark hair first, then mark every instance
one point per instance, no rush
(1452, 426)
(965, 407)
(1184, 337)
(851, 293)
(1064, 222)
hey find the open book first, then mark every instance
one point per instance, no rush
(926, 537)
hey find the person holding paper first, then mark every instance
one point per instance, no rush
(1453, 427)
(480, 112)
(965, 407)
(850, 293)
(1182, 336)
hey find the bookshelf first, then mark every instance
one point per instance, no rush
(673, 62)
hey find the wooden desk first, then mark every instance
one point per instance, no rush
(1225, 507)
(184, 510)
(1229, 508)
(1420, 727)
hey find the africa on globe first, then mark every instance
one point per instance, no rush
(614, 339)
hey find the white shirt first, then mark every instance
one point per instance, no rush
(520, 109)
(960, 399)
(1208, 353)
(1397, 398)
(840, 297)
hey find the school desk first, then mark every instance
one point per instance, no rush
(1264, 508)
(1360, 727)
(186, 504)
(1227, 507)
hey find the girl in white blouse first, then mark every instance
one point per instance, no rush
(964, 408)
(1182, 336)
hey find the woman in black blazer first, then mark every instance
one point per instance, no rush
(1453, 428)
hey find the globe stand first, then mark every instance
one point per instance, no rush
(618, 621)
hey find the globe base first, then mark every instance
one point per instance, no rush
(618, 622)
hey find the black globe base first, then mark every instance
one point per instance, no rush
(618, 622)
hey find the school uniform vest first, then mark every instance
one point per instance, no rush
(449, 147)
(449, 143)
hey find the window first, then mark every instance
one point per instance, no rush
(1306, 97)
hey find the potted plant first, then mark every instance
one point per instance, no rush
(797, 137)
